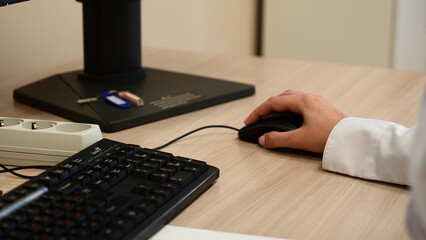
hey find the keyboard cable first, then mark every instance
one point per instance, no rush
(12, 170)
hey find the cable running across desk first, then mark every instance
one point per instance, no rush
(12, 170)
(193, 131)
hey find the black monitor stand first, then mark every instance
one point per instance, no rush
(112, 61)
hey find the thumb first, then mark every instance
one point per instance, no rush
(288, 139)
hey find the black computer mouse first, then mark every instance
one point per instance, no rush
(277, 121)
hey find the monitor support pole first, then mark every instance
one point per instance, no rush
(112, 39)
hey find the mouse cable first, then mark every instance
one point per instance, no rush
(193, 131)
(12, 170)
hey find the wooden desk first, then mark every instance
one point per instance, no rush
(263, 192)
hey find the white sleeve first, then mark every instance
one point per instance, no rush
(384, 151)
(370, 149)
(416, 214)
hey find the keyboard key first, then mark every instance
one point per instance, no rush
(102, 218)
(8, 225)
(160, 177)
(135, 215)
(128, 167)
(49, 180)
(89, 209)
(93, 173)
(80, 233)
(128, 151)
(92, 225)
(157, 200)
(118, 206)
(167, 194)
(136, 148)
(45, 220)
(102, 184)
(33, 227)
(160, 160)
(67, 224)
(143, 189)
(177, 165)
(67, 206)
(31, 210)
(135, 161)
(98, 196)
(101, 168)
(120, 156)
(55, 212)
(41, 204)
(71, 168)
(121, 174)
(24, 191)
(77, 199)
(142, 172)
(52, 197)
(152, 153)
(62, 174)
(169, 169)
(200, 164)
(112, 163)
(152, 165)
(84, 179)
(19, 217)
(46, 236)
(146, 207)
(33, 186)
(111, 233)
(55, 231)
(81, 163)
(111, 179)
(21, 234)
(140, 156)
(10, 198)
(67, 188)
(183, 178)
(191, 168)
(124, 224)
(77, 216)
(174, 188)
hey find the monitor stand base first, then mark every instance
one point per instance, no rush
(165, 93)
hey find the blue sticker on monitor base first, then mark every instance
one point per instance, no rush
(115, 100)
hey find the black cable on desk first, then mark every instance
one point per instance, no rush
(12, 170)
(193, 131)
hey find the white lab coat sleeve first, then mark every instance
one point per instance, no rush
(384, 151)
(416, 212)
(370, 149)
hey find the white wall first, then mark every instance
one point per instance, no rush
(221, 26)
(410, 43)
(42, 35)
(344, 31)
(383, 33)
(39, 35)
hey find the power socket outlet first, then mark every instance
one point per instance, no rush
(25, 142)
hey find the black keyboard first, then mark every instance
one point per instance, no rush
(109, 190)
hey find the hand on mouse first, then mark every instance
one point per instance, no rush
(319, 115)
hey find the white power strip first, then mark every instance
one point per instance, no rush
(25, 142)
